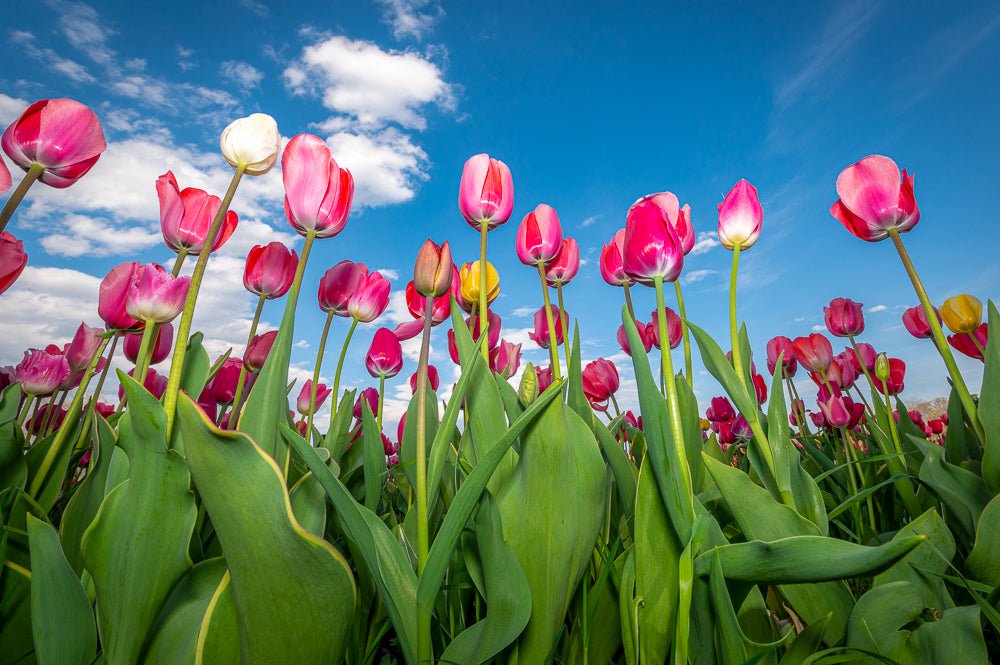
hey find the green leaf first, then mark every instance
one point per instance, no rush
(374, 456)
(962, 492)
(719, 366)
(62, 621)
(984, 559)
(625, 475)
(925, 564)
(989, 403)
(196, 366)
(13, 469)
(309, 504)
(956, 437)
(805, 643)
(294, 592)
(86, 500)
(336, 437)
(733, 648)
(136, 549)
(575, 397)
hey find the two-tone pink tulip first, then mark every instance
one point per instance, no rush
(486, 192)
(318, 193)
(540, 334)
(874, 199)
(433, 380)
(41, 373)
(645, 336)
(651, 248)
(370, 299)
(338, 285)
(385, 355)
(781, 346)
(505, 358)
(675, 329)
(564, 267)
(186, 216)
(12, 260)
(113, 296)
(269, 270)
(539, 236)
(156, 296)
(916, 323)
(600, 382)
(740, 217)
(80, 351)
(302, 403)
(258, 349)
(612, 260)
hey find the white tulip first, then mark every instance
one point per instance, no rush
(253, 141)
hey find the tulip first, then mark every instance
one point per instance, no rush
(104, 410)
(915, 322)
(651, 249)
(113, 296)
(873, 201)
(962, 313)
(42, 416)
(674, 329)
(155, 383)
(565, 265)
(539, 237)
(302, 403)
(156, 296)
(740, 428)
(417, 304)
(5, 181)
(370, 299)
(385, 356)
(868, 356)
(540, 335)
(6, 377)
(161, 347)
(782, 346)
(611, 264)
(486, 193)
(80, 352)
(433, 270)
(836, 410)
(186, 217)
(253, 143)
(338, 285)
(600, 382)
(505, 358)
(224, 382)
(720, 410)
(645, 336)
(41, 373)
(545, 378)
(891, 379)
(257, 350)
(433, 380)
(269, 270)
(371, 396)
(760, 388)
(972, 344)
(844, 317)
(12, 260)
(840, 373)
(740, 217)
(318, 192)
(814, 352)
(470, 279)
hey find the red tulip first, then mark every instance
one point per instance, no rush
(385, 355)
(34, 424)
(814, 352)
(12, 260)
(80, 352)
(224, 382)
(840, 373)
(915, 322)
(545, 378)
(433, 380)
(486, 193)
(612, 266)
(161, 347)
(114, 294)
(539, 237)
(894, 383)
(104, 410)
(338, 285)
(318, 193)
(258, 349)
(645, 336)
(963, 342)
(62, 135)
(433, 271)
(493, 326)
(651, 248)
(760, 388)
(505, 358)
(416, 304)
(540, 335)
(740, 216)
(675, 329)
(844, 317)
(873, 201)
(564, 267)
(302, 403)
(600, 382)
(270, 269)
(679, 218)
(370, 299)
(777, 346)
(155, 295)
(40, 373)
(155, 383)
(186, 216)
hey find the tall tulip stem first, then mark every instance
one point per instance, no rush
(734, 324)
(483, 287)
(628, 300)
(179, 262)
(142, 360)
(92, 405)
(34, 171)
(687, 334)
(949, 360)
(340, 367)
(315, 383)
(553, 347)
(184, 327)
(424, 650)
(563, 320)
(241, 381)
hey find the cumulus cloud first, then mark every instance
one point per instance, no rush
(245, 75)
(706, 241)
(387, 166)
(11, 108)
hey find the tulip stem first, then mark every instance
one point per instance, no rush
(25, 409)
(181, 255)
(92, 405)
(734, 329)
(949, 360)
(563, 319)
(49, 410)
(799, 415)
(628, 300)
(241, 381)
(378, 415)
(686, 333)
(897, 464)
(483, 289)
(340, 367)
(424, 649)
(142, 360)
(184, 327)
(34, 171)
(315, 382)
(553, 347)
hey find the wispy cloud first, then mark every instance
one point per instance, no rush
(413, 19)
(590, 221)
(877, 308)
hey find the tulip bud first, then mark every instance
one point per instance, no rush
(252, 142)
(258, 349)
(505, 358)
(370, 299)
(12, 260)
(161, 347)
(269, 270)
(432, 273)
(611, 265)
(814, 352)
(224, 382)
(844, 317)
(651, 248)
(486, 193)
(740, 216)
(305, 395)
(675, 329)
(539, 236)
(470, 276)
(385, 356)
(433, 380)
(962, 313)
(600, 382)
(563, 268)
(540, 335)
(81, 350)
(882, 367)
(527, 392)
(781, 346)
(186, 216)
(645, 336)
(889, 374)
(338, 285)
(873, 200)
(318, 193)
(916, 323)
(114, 294)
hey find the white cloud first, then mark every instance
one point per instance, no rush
(79, 235)
(386, 166)
(257, 7)
(245, 75)
(877, 308)
(411, 18)
(590, 221)
(10, 109)
(68, 68)
(388, 273)
(705, 241)
(523, 311)
(696, 276)
(818, 328)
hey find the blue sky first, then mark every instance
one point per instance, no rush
(591, 107)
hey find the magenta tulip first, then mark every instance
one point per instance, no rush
(416, 304)
(679, 218)
(370, 299)
(720, 410)
(12, 260)
(486, 193)
(915, 322)
(971, 344)
(565, 265)
(61, 135)
(493, 326)
(740, 216)
(5, 181)
(258, 349)
(186, 216)
(370, 395)
(873, 200)
(651, 249)
(318, 192)
(385, 356)
(600, 382)
(270, 269)
(224, 382)
(161, 348)
(40, 373)
(540, 335)
(545, 378)
(844, 317)
(80, 352)
(675, 329)
(156, 296)
(433, 380)
(777, 346)
(760, 388)
(305, 395)
(539, 236)
(868, 356)
(645, 336)
(836, 410)
(612, 266)
(114, 295)
(338, 285)
(814, 352)
(505, 358)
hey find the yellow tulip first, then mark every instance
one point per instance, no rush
(962, 313)
(469, 274)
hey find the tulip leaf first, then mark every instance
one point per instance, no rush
(136, 549)
(336, 436)
(309, 504)
(924, 566)
(196, 366)
(732, 643)
(13, 467)
(624, 472)
(628, 603)
(956, 437)
(984, 559)
(575, 397)
(62, 620)
(962, 492)
(294, 592)
(10, 401)
(719, 366)
(989, 403)
(408, 444)
(374, 457)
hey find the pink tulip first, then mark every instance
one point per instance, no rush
(338, 285)
(873, 200)
(868, 356)
(777, 346)
(114, 295)
(370, 299)
(915, 322)
(897, 373)
(539, 236)
(840, 373)
(5, 181)
(836, 410)
(964, 343)
(34, 424)
(679, 218)
(269, 270)
(675, 329)
(186, 216)
(433, 379)
(486, 193)
(721, 410)
(224, 383)
(651, 249)
(370, 395)
(318, 193)
(740, 216)
(433, 270)
(162, 347)
(564, 267)
(612, 266)
(814, 352)
(540, 335)
(80, 352)
(600, 382)
(12, 260)
(645, 336)
(40, 373)
(258, 349)
(493, 326)
(844, 317)
(154, 382)
(62, 135)
(385, 356)
(545, 378)
(302, 403)
(505, 358)
(416, 305)
(156, 295)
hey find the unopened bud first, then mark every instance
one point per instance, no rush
(527, 392)
(882, 367)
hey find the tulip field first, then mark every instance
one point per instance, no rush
(209, 516)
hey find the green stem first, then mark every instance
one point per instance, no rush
(853, 480)
(181, 255)
(483, 290)
(424, 649)
(184, 327)
(564, 321)
(687, 334)
(92, 405)
(628, 300)
(241, 381)
(949, 360)
(340, 367)
(553, 347)
(142, 360)
(378, 416)
(315, 383)
(59, 406)
(49, 410)
(34, 171)
(734, 329)
(25, 409)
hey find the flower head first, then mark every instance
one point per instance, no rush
(873, 201)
